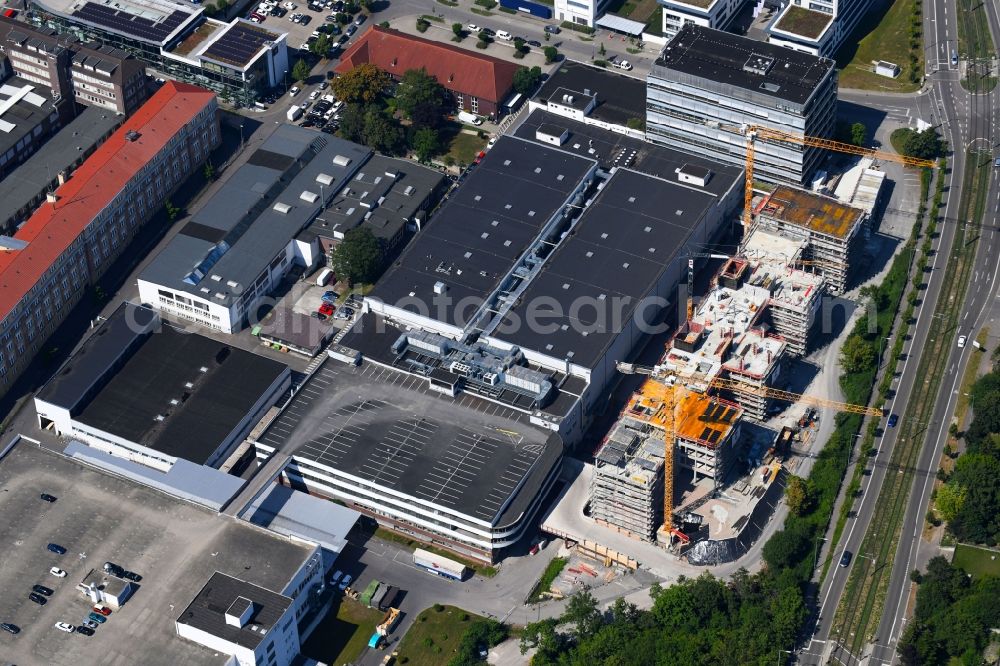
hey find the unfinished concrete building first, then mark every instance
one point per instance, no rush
(707, 436)
(626, 491)
(756, 364)
(794, 296)
(829, 230)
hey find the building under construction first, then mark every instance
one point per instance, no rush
(829, 230)
(626, 492)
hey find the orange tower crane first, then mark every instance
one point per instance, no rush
(657, 399)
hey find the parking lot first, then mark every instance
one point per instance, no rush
(174, 545)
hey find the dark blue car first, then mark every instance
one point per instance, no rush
(893, 420)
(57, 549)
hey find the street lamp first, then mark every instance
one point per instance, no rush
(880, 340)
(816, 552)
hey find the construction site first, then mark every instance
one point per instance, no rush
(694, 464)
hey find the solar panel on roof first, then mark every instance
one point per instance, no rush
(130, 24)
(239, 44)
(705, 433)
(727, 417)
(714, 436)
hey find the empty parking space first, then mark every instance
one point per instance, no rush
(174, 545)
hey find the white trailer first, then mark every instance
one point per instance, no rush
(438, 565)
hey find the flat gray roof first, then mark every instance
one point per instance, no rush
(476, 237)
(388, 428)
(619, 97)
(293, 513)
(71, 144)
(383, 195)
(763, 69)
(207, 611)
(617, 252)
(21, 114)
(612, 149)
(232, 239)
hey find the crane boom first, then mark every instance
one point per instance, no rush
(754, 132)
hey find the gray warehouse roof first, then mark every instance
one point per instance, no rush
(131, 372)
(296, 514)
(222, 594)
(384, 195)
(619, 97)
(232, 239)
(67, 147)
(722, 57)
(616, 253)
(612, 149)
(476, 237)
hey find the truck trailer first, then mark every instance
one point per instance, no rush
(438, 565)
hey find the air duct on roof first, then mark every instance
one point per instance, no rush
(282, 208)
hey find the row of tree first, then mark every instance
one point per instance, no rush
(970, 500)
(953, 618)
(695, 621)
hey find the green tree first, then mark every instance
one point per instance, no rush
(949, 500)
(221, 5)
(978, 518)
(551, 53)
(458, 30)
(320, 46)
(924, 145)
(172, 210)
(352, 123)
(423, 24)
(525, 80)
(786, 549)
(208, 171)
(636, 123)
(421, 98)
(582, 612)
(425, 143)
(857, 354)
(484, 37)
(859, 134)
(798, 495)
(300, 70)
(381, 132)
(603, 51)
(358, 257)
(364, 84)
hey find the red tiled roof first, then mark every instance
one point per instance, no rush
(54, 227)
(455, 68)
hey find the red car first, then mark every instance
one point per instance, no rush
(326, 309)
(103, 610)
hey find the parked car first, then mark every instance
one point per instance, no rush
(102, 609)
(86, 631)
(473, 28)
(323, 85)
(41, 589)
(893, 420)
(845, 558)
(38, 599)
(10, 628)
(345, 581)
(330, 296)
(351, 29)
(325, 309)
(293, 91)
(90, 624)
(113, 569)
(361, 19)
(57, 572)
(533, 42)
(99, 619)
(553, 29)
(132, 576)
(65, 626)
(335, 578)
(318, 315)
(57, 549)
(48, 498)
(623, 64)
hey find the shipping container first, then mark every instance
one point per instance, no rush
(389, 598)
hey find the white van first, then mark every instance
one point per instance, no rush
(504, 35)
(324, 277)
(471, 118)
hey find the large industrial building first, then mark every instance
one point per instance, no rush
(29, 115)
(819, 28)
(238, 59)
(608, 251)
(91, 74)
(142, 390)
(69, 242)
(707, 84)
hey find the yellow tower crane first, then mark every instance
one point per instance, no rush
(754, 132)
(657, 400)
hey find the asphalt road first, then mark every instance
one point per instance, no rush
(962, 120)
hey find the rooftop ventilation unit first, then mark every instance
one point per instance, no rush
(131, 135)
(341, 160)
(758, 64)
(282, 208)
(440, 287)
(324, 179)
(310, 197)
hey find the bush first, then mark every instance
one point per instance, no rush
(422, 25)
(385, 24)
(576, 27)
(488, 4)
(481, 44)
(601, 63)
(438, 608)
(551, 53)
